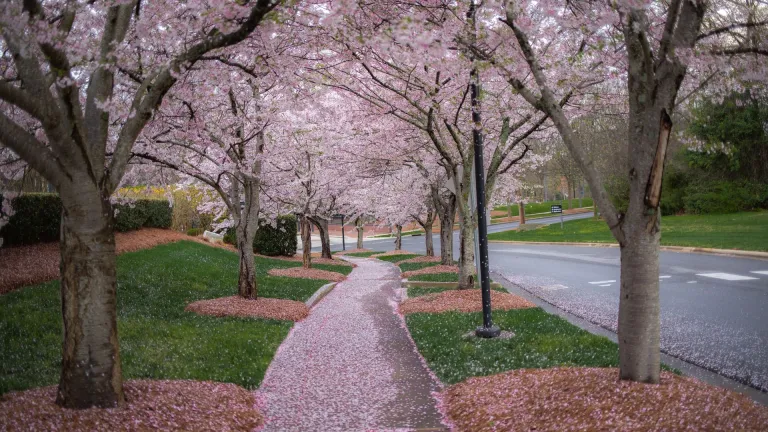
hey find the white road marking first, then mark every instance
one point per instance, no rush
(605, 285)
(762, 272)
(602, 282)
(664, 277)
(691, 282)
(725, 276)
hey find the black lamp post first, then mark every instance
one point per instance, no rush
(488, 330)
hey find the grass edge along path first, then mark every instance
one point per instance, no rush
(158, 339)
(736, 231)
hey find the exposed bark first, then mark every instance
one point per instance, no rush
(90, 367)
(509, 210)
(359, 228)
(306, 241)
(521, 211)
(427, 224)
(653, 82)
(467, 270)
(398, 237)
(325, 239)
(446, 212)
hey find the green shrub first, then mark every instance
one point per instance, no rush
(194, 232)
(150, 213)
(277, 240)
(37, 218)
(271, 240)
(725, 197)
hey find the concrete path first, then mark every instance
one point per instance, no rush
(351, 366)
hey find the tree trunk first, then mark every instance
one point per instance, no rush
(306, 242)
(359, 227)
(509, 210)
(447, 217)
(639, 358)
(246, 283)
(521, 211)
(428, 236)
(325, 239)
(467, 256)
(398, 237)
(91, 373)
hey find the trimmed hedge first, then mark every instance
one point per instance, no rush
(277, 240)
(725, 197)
(272, 240)
(37, 218)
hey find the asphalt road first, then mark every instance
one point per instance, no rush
(714, 309)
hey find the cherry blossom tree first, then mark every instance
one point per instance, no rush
(578, 50)
(424, 85)
(89, 75)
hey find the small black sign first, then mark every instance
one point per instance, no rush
(557, 208)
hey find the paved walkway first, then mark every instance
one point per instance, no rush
(350, 366)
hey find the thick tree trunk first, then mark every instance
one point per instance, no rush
(639, 358)
(428, 236)
(359, 227)
(246, 283)
(398, 237)
(91, 374)
(306, 242)
(466, 256)
(509, 210)
(521, 211)
(447, 217)
(325, 239)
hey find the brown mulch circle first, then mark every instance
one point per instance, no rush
(442, 268)
(269, 308)
(301, 272)
(315, 260)
(349, 251)
(467, 300)
(421, 259)
(21, 266)
(151, 405)
(593, 399)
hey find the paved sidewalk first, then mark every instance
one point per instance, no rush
(350, 366)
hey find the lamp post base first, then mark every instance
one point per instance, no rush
(488, 332)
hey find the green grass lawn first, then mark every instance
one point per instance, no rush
(363, 254)
(343, 269)
(416, 265)
(404, 233)
(541, 341)
(436, 277)
(746, 231)
(544, 207)
(397, 258)
(157, 338)
(422, 291)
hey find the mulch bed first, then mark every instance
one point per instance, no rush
(349, 251)
(393, 252)
(303, 273)
(151, 405)
(315, 260)
(268, 308)
(33, 264)
(442, 268)
(593, 399)
(421, 259)
(468, 300)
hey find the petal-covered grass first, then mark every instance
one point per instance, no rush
(158, 339)
(745, 231)
(436, 277)
(410, 266)
(541, 340)
(363, 254)
(422, 291)
(396, 258)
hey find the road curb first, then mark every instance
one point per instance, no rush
(320, 294)
(686, 249)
